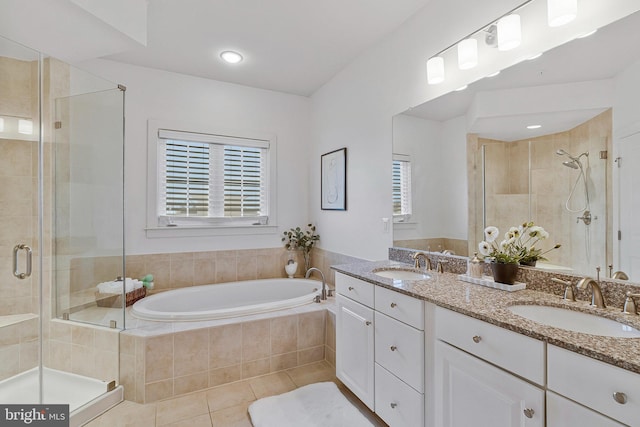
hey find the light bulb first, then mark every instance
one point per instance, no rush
(509, 33)
(435, 70)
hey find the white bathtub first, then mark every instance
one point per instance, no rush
(226, 299)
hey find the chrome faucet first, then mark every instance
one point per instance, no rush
(597, 300)
(324, 283)
(427, 262)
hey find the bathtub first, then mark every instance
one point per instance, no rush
(225, 300)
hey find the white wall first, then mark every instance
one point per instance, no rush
(420, 139)
(153, 94)
(452, 182)
(354, 110)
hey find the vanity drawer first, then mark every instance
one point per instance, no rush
(400, 349)
(509, 350)
(594, 383)
(355, 289)
(400, 306)
(397, 403)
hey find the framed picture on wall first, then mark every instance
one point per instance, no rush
(333, 183)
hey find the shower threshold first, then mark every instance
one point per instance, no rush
(87, 397)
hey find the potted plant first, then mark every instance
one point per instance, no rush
(517, 248)
(298, 239)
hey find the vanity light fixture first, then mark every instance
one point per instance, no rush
(534, 126)
(561, 12)
(435, 70)
(509, 32)
(231, 57)
(467, 54)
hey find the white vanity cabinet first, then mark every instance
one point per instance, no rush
(380, 349)
(612, 391)
(474, 381)
(355, 337)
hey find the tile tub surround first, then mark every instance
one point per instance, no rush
(184, 269)
(491, 305)
(159, 360)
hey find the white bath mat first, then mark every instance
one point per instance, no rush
(314, 405)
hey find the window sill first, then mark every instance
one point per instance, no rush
(208, 231)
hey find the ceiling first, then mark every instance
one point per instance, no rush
(600, 56)
(288, 46)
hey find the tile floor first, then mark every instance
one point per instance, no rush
(222, 406)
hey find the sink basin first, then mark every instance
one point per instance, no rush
(575, 321)
(396, 274)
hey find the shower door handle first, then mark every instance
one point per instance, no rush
(27, 249)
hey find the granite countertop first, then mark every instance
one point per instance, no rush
(491, 305)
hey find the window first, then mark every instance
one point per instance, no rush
(401, 187)
(209, 179)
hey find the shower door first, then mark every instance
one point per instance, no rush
(88, 203)
(20, 220)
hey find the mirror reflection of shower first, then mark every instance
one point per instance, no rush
(574, 162)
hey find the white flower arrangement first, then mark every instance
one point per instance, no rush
(518, 245)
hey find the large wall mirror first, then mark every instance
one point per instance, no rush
(550, 140)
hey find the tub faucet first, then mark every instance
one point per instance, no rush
(427, 262)
(597, 300)
(324, 283)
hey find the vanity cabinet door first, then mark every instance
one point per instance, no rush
(471, 392)
(354, 348)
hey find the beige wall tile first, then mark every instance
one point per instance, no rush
(284, 334)
(158, 390)
(82, 335)
(60, 355)
(158, 358)
(247, 268)
(181, 270)
(204, 271)
(225, 346)
(330, 330)
(311, 329)
(255, 368)
(310, 355)
(127, 375)
(280, 362)
(330, 355)
(225, 375)
(83, 360)
(226, 269)
(10, 356)
(191, 352)
(106, 339)
(191, 383)
(256, 340)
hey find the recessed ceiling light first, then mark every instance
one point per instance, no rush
(461, 88)
(536, 56)
(534, 126)
(231, 57)
(494, 74)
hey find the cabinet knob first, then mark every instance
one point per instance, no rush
(393, 348)
(393, 405)
(350, 288)
(620, 397)
(528, 412)
(368, 322)
(477, 339)
(393, 305)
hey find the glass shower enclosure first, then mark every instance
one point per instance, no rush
(61, 233)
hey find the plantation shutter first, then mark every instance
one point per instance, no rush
(401, 185)
(212, 176)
